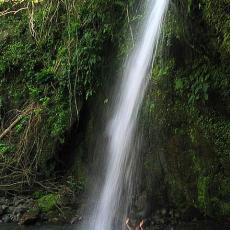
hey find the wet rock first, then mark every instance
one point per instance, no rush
(6, 218)
(194, 220)
(141, 201)
(156, 217)
(10, 209)
(1, 211)
(177, 215)
(54, 220)
(18, 202)
(29, 202)
(3, 200)
(19, 210)
(192, 213)
(76, 220)
(17, 217)
(163, 212)
(44, 217)
(30, 217)
(4, 208)
(161, 221)
(171, 213)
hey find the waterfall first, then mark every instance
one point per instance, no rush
(117, 186)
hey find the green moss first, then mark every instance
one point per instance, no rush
(202, 187)
(225, 208)
(188, 109)
(48, 202)
(53, 60)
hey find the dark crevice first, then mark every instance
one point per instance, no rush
(66, 153)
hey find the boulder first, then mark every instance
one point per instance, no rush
(4, 208)
(10, 209)
(18, 202)
(192, 213)
(19, 210)
(30, 217)
(1, 211)
(75, 220)
(6, 218)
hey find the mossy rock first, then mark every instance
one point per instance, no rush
(48, 202)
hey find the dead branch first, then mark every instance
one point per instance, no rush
(12, 11)
(15, 122)
(6, 131)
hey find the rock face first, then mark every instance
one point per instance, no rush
(187, 115)
(30, 217)
(12, 209)
(1, 210)
(25, 210)
(75, 220)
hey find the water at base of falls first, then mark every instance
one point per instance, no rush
(201, 225)
(116, 191)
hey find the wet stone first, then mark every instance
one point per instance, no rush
(18, 202)
(163, 212)
(19, 209)
(6, 218)
(29, 217)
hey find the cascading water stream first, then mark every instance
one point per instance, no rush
(124, 115)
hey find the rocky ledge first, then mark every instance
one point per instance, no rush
(25, 210)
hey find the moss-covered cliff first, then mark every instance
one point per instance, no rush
(189, 106)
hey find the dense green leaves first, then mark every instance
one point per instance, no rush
(190, 106)
(54, 56)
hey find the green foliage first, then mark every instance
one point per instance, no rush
(54, 57)
(216, 14)
(179, 84)
(202, 187)
(75, 184)
(48, 202)
(203, 80)
(187, 112)
(39, 194)
(5, 149)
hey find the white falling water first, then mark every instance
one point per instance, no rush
(124, 116)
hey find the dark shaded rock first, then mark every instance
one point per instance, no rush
(192, 213)
(3, 200)
(4, 208)
(18, 202)
(1, 211)
(57, 217)
(29, 202)
(44, 217)
(177, 215)
(19, 210)
(76, 220)
(30, 217)
(141, 201)
(163, 212)
(55, 220)
(6, 218)
(10, 209)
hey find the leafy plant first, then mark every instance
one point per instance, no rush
(5, 148)
(48, 202)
